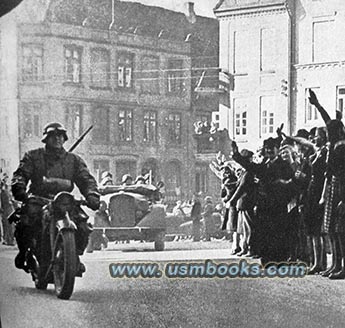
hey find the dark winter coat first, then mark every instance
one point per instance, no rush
(39, 163)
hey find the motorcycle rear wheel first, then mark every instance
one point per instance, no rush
(64, 268)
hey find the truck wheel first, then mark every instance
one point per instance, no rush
(159, 241)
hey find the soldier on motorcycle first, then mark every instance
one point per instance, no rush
(45, 168)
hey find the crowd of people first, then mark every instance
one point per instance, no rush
(205, 216)
(283, 203)
(287, 202)
(7, 206)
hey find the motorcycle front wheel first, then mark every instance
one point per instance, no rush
(44, 260)
(65, 263)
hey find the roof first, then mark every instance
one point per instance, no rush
(29, 11)
(242, 4)
(130, 17)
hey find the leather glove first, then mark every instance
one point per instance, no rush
(19, 192)
(93, 201)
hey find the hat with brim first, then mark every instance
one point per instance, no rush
(245, 153)
(302, 133)
(271, 143)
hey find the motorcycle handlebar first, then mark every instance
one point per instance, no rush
(79, 202)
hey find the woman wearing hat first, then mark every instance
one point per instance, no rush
(244, 199)
(333, 224)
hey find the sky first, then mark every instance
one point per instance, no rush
(201, 7)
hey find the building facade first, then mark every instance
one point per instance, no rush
(276, 50)
(320, 60)
(124, 68)
(254, 49)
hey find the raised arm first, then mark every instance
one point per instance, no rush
(249, 166)
(314, 101)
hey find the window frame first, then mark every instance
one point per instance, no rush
(101, 168)
(201, 170)
(96, 65)
(67, 64)
(272, 58)
(149, 121)
(240, 67)
(150, 76)
(32, 77)
(128, 125)
(309, 108)
(175, 78)
(341, 107)
(240, 117)
(126, 67)
(70, 119)
(31, 112)
(175, 125)
(104, 139)
(314, 46)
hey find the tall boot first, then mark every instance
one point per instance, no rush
(316, 255)
(235, 244)
(19, 260)
(340, 274)
(323, 253)
(334, 257)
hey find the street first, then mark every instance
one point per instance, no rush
(101, 301)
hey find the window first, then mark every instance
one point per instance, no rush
(173, 179)
(5, 164)
(32, 63)
(200, 178)
(203, 118)
(73, 64)
(151, 166)
(267, 106)
(73, 119)
(99, 167)
(323, 41)
(125, 167)
(125, 125)
(267, 49)
(241, 53)
(311, 112)
(150, 126)
(216, 120)
(341, 99)
(100, 68)
(101, 129)
(240, 109)
(125, 70)
(174, 128)
(175, 81)
(31, 118)
(150, 75)
(4, 126)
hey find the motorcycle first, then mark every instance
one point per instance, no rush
(51, 255)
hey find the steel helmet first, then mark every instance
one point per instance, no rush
(125, 178)
(53, 127)
(208, 199)
(106, 174)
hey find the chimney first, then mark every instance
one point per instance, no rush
(191, 16)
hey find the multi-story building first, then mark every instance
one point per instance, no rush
(255, 48)
(125, 68)
(319, 63)
(276, 50)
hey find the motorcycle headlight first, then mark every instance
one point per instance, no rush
(63, 202)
